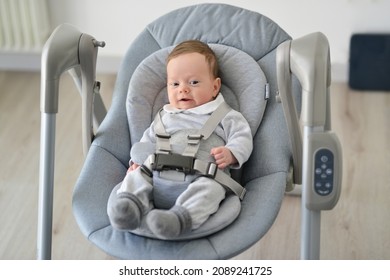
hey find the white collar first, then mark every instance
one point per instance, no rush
(206, 108)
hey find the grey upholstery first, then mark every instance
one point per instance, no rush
(264, 175)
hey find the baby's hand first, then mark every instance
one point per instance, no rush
(132, 167)
(223, 157)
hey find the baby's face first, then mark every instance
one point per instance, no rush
(190, 82)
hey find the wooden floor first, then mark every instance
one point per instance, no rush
(357, 228)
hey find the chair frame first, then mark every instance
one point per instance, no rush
(309, 133)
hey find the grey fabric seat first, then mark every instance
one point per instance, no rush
(264, 175)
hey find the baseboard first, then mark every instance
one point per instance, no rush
(31, 61)
(20, 61)
(339, 72)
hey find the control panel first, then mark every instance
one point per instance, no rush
(324, 171)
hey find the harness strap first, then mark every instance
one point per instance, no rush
(215, 118)
(163, 143)
(210, 169)
(208, 128)
(207, 169)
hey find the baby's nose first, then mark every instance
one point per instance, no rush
(184, 89)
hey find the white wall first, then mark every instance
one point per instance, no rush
(118, 22)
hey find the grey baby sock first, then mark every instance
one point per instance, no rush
(171, 223)
(125, 211)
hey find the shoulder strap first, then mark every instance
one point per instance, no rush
(215, 118)
(163, 143)
(207, 129)
(163, 139)
(205, 168)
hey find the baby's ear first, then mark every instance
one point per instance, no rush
(217, 86)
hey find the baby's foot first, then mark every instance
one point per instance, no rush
(124, 212)
(167, 224)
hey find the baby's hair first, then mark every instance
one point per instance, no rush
(195, 46)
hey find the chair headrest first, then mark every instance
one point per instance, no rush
(253, 33)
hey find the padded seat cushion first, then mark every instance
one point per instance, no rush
(243, 87)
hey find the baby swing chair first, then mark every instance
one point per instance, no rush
(256, 60)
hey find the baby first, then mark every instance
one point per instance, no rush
(193, 87)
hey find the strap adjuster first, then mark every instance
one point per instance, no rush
(194, 139)
(163, 135)
(146, 170)
(241, 196)
(212, 169)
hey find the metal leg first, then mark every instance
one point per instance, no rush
(310, 235)
(46, 181)
(67, 48)
(310, 219)
(321, 162)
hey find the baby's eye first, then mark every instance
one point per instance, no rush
(194, 83)
(174, 84)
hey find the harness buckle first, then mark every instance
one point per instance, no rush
(174, 162)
